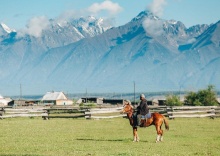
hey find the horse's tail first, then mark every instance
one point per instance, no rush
(166, 123)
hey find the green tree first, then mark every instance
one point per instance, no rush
(191, 99)
(173, 100)
(206, 97)
(197, 103)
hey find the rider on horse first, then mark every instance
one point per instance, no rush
(142, 110)
(155, 118)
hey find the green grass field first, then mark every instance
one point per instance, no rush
(81, 137)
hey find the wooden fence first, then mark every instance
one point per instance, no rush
(26, 112)
(65, 112)
(170, 112)
(193, 112)
(103, 113)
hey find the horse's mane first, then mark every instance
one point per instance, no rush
(129, 103)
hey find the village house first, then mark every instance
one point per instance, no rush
(92, 100)
(56, 98)
(19, 102)
(4, 101)
(99, 100)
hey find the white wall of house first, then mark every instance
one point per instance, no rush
(4, 101)
(64, 102)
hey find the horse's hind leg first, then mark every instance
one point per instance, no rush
(159, 133)
(161, 136)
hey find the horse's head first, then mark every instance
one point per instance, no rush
(127, 107)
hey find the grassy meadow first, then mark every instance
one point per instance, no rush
(81, 137)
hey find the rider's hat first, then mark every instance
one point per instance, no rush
(142, 95)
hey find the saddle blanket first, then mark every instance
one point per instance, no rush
(147, 116)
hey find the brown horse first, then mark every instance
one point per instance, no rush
(156, 119)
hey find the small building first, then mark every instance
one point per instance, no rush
(92, 100)
(17, 103)
(56, 98)
(149, 103)
(32, 102)
(154, 100)
(161, 102)
(113, 101)
(79, 101)
(4, 101)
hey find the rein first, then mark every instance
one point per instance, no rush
(129, 113)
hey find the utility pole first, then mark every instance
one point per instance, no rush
(134, 92)
(20, 92)
(86, 95)
(19, 101)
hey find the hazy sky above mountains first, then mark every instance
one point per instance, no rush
(18, 14)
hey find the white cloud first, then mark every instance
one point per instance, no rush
(107, 9)
(35, 26)
(153, 27)
(67, 16)
(157, 7)
(107, 5)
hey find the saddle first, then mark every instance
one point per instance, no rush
(145, 120)
(147, 116)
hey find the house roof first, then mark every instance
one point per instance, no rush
(54, 96)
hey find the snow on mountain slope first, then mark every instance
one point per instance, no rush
(111, 60)
(18, 53)
(5, 29)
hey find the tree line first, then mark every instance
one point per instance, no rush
(204, 97)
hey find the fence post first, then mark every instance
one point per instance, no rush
(2, 112)
(212, 111)
(171, 115)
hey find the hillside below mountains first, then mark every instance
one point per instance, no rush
(87, 54)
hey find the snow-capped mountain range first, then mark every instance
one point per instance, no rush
(90, 54)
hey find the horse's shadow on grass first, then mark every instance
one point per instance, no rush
(88, 139)
(113, 140)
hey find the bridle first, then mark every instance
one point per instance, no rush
(128, 109)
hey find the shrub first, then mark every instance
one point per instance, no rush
(173, 100)
(206, 97)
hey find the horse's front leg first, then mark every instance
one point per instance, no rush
(135, 135)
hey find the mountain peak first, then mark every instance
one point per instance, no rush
(87, 56)
(6, 28)
(145, 14)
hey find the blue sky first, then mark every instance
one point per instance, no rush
(17, 13)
